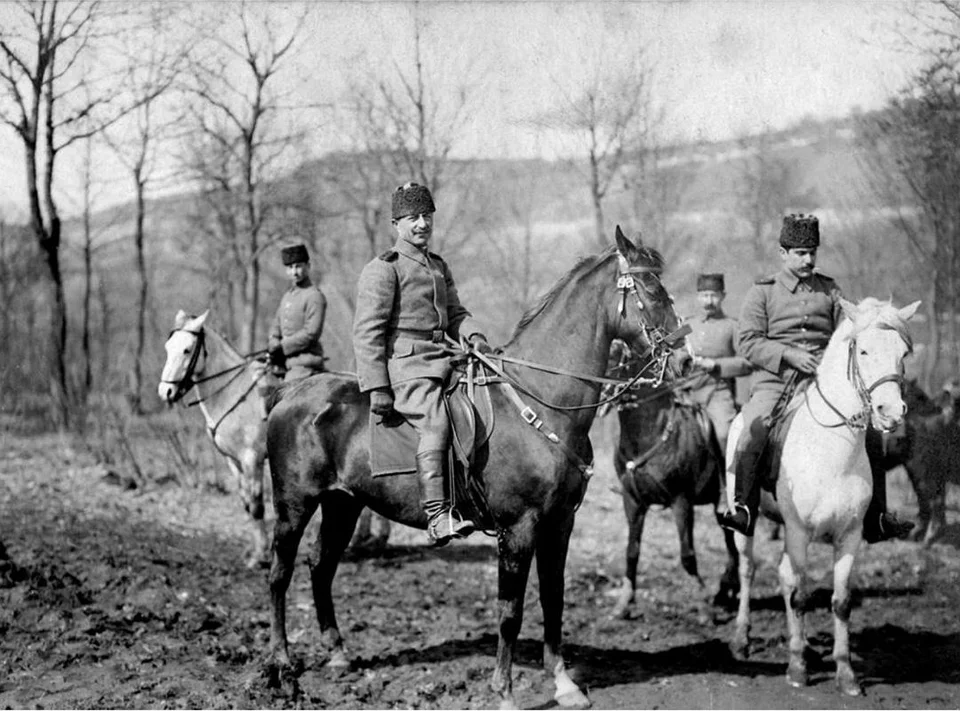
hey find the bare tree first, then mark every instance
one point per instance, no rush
(153, 60)
(912, 160)
(52, 98)
(239, 144)
(612, 120)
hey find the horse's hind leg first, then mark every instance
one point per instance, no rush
(683, 518)
(793, 586)
(515, 552)
(292, 519)
(552, 545)
(339, 513)
(249, 475)
(726, 596)
(636, 512)
(843, 560)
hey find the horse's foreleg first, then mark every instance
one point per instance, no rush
(515, 547)
(683, 518)
(288, 530)
(740, 645)
(552, 544)
(844, 556)
(793, 586)
(636, 512)
(729, 582)
(339, 514)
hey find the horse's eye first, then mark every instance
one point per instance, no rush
(862, 352)
(186, 351)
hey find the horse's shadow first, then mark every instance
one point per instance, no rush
(398, 555)
(821, 598)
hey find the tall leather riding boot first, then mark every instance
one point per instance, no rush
(442, 524)
(746, 494)
(878, 523)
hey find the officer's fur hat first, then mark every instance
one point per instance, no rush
(800, 231)
(294, 254)
(412, 199)
(710, 282)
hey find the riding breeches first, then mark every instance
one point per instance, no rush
(721, 409)
(420, 401)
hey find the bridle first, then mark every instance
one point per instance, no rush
(189, 379)
(860, 420)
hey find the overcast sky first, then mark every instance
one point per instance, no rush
(721, 68)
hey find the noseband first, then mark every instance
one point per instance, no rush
(187, 381)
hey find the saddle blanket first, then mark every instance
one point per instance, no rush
(393, 446)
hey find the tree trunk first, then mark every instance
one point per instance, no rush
(136, 394)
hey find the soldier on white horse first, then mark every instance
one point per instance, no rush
(294, 341)
(786, 322)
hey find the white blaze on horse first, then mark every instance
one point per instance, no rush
(230, 392)
(824, 484)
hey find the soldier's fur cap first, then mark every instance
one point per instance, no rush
(800, 231)
(294, 254)
(710, 282)
(412, 199)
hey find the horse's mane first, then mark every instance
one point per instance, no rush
(874, 312)
(649, 256)
(219, 336)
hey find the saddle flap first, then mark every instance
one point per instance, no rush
(470, 420)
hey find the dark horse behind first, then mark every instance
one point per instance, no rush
(667, 455)
(537, 459)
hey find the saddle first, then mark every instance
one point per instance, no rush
(393, 441)
(781, 418)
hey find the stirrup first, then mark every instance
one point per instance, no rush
(447, 525)
(731, 519)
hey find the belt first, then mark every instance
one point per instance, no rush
(436, 335)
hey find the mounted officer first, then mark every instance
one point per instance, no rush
(294, 340)
(786, 322)
(407, 305)
(713, 341)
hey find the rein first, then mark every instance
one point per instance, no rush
(187, 382)
(860, 420)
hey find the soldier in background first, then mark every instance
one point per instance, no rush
(294, 340)
(713, 343)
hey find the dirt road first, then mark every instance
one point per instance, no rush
(133, 599)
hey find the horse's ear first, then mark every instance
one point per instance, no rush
(907, 312)
(624, 245)
(197, 322)
(849, 309)
(180, 319)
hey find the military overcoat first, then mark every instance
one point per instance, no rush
(298, 325)
(406, 302)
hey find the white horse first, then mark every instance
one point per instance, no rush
(230, 392)
(824, 483)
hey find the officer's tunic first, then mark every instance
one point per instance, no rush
(715, 337)
(297, 328)
(407, 302)
(778, 313)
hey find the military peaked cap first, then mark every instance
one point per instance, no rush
(412, 199)
(800, 231)
(294, 254)
(710, 282)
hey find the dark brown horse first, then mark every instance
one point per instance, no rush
(536, 469)
(667, 455)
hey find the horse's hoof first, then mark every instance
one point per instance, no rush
(848, 685)
(620, 612)
(574, 699)
(740, 648)
(338, 660)
(797, 674)
(508, 705)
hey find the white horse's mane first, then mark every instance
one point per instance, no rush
(874, 312)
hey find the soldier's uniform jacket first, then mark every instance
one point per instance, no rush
(298, 325)
(781, 312)
(715, 337)
(406, 302)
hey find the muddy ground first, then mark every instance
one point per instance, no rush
(118, 598)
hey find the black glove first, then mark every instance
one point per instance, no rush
(381, 401)
(277, 357)
(479, 343)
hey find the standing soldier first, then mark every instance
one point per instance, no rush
(407, 306)
(785, 324)
(295, 337)
(713, 341)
